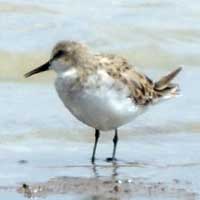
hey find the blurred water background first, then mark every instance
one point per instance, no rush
(156, 36)
(150, 33)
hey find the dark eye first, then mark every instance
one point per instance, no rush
(59, 54)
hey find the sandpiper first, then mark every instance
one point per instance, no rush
(103, 91)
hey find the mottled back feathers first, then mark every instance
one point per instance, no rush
(143, 90)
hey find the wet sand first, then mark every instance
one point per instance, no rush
(106, 188)
(160, 176)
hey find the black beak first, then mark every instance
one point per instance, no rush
(42, 68)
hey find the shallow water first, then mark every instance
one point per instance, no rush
(153, 34)
(44, 146)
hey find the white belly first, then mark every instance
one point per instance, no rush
(102, 108)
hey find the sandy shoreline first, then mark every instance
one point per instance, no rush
(104, 188)
(57, 175)
(107, 188)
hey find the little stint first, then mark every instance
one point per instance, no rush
(103, 91)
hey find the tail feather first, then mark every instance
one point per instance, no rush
(164, 87)
(165, 81)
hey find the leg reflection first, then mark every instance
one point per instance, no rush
(103, 170)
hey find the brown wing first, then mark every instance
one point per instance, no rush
(140, 86)
(143, 90)
(113, 63)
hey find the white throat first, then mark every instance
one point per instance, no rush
(70, 73)
(60, 67)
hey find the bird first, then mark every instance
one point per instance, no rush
(104, 91)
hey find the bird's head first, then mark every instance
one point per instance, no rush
(64, 55)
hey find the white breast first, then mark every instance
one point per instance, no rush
(103, 104)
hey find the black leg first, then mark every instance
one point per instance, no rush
(97, 134)
(115, 140)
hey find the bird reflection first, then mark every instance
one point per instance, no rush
(97, 169)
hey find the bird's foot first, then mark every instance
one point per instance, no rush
(111, 159)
